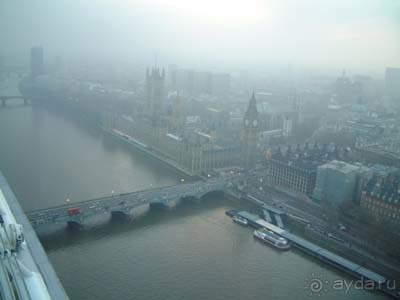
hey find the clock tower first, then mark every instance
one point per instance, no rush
(250, 134)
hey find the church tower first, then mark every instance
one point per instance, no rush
(155, 94)
(249, 135)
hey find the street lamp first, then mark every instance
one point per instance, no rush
(182, 180)
(67, 200)
(208, 175)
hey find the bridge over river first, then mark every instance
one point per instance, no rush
(74, 214)
(4, 99)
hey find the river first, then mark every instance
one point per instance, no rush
(191, 252)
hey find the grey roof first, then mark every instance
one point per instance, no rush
(341, 166)
(366, 273)
(248, 216)
(302, 242)
(338, 259)
(341, 261)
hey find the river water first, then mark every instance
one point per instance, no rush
(191, 252)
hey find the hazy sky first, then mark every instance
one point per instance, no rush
(341, 33)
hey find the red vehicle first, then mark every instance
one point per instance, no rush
(73, 211)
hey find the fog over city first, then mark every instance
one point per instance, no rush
(358, 34)
(201, 150)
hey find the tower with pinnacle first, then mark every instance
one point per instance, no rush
(155, 80)
(250, 134)
(177, 117)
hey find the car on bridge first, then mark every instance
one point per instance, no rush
(74, 211)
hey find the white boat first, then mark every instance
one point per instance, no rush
(240, 220)
(272, 239)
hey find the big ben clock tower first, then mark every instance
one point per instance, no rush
(249, 135)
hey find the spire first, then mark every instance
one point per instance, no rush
(253, 100)
(250, 136)
(252, 107)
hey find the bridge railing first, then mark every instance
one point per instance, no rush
(12, 97)
(100, 199)
(104, 199)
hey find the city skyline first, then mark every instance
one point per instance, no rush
(359, 35)
(181, 149)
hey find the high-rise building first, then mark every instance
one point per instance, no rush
(250, 134)
(392, 81)
(336, 182)
(37, 63)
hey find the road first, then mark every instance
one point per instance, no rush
(122, 202)
(312, 212)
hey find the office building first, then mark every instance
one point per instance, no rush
(336, 182)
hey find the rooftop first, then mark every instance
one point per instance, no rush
(309, 157)
(341, 166)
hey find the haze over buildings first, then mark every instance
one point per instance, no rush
(359, 34)
(111, 110)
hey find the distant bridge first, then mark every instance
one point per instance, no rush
(4, 99)
(75, 213)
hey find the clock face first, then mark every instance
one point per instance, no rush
(246, 122)
(255, 123)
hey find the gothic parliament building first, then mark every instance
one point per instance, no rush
(160, 127)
